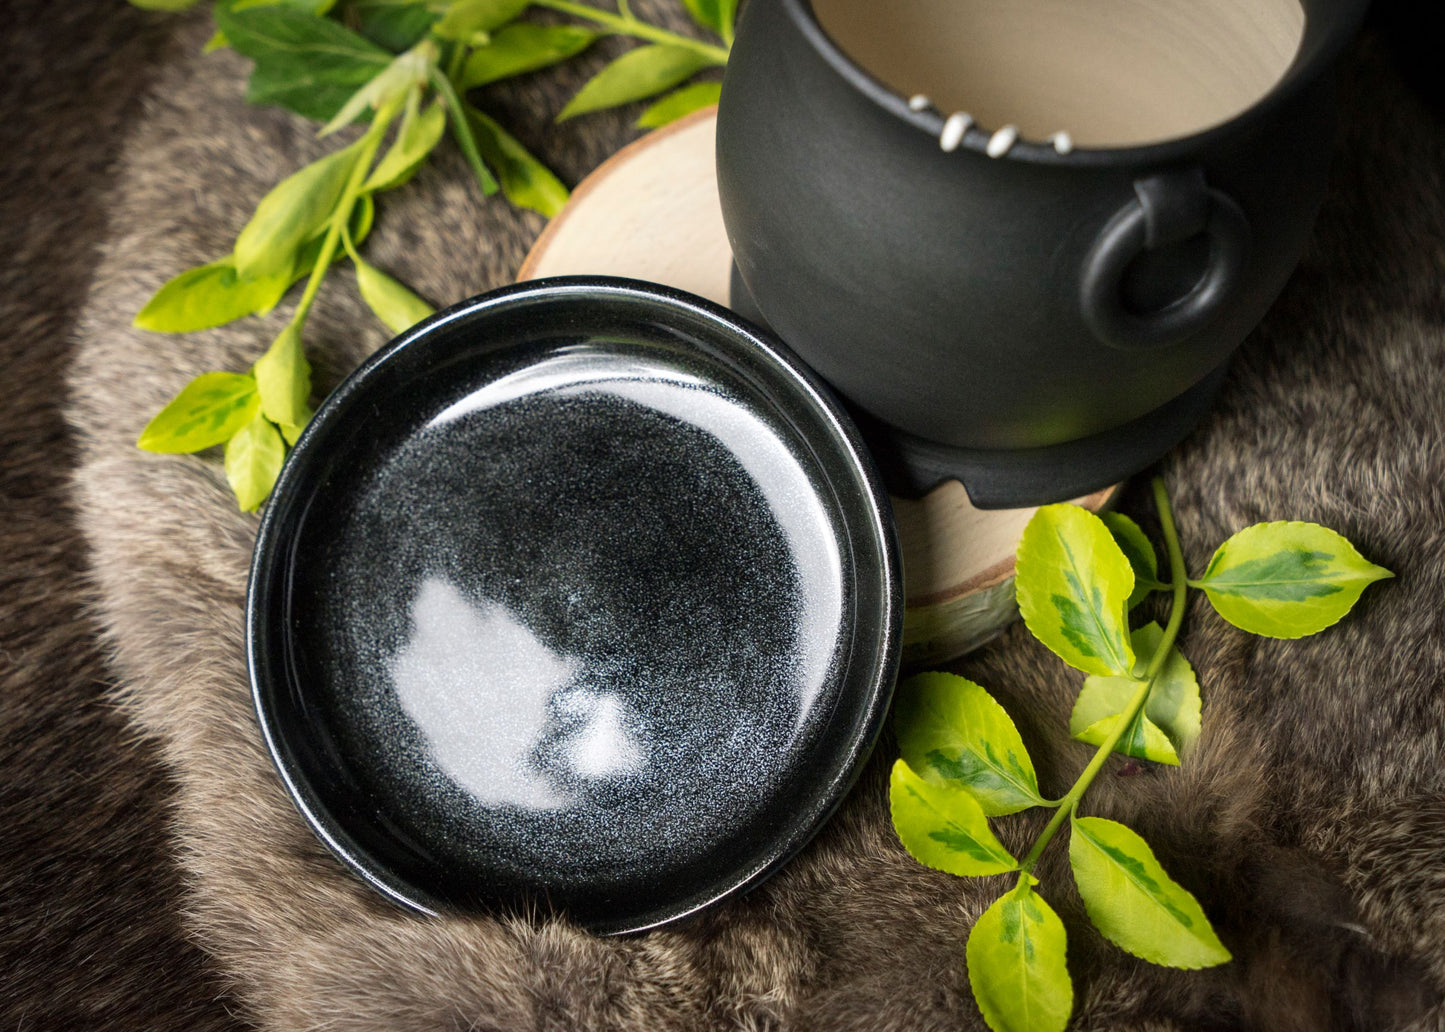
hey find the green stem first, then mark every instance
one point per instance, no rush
(350, 247)
(1178, 578)
(623, 9)
(1071, 798)
(629, 26)
(463, 132)
(1070, 801)
(370, 143)
(454, 62)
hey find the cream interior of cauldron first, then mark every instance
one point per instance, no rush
(1111, 73)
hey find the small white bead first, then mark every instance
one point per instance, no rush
(953, 129)
(919, 102)
(1062, 141)
(1000, 142)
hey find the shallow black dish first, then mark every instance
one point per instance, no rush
(582, 593)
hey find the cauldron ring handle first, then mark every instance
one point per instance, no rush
(1166, 208)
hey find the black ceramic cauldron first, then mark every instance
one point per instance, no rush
(1036, 324)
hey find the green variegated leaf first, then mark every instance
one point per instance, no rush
(316, 7)
(1073, 583)
(727, 15)
(679, 103)
(521, 48)
(288, 216)
(291, 434)
(1287, 579)
(951, 731)
(1174, 704)
(307, 64)
(944, 827)
(310, 253)
(253, 462)
(394, 26)
(403, 76)
(643, 72)
(214, 294)
(394, 304)
(1134, 903)
(210, 295)
(704, 12)
(1173, 707)
(714, 15)
(208, 411)
(283, 377)
(1139, 550)
(1017, 964)
(1142, 739)
(419, 134)
(465, 19)
(526, 182)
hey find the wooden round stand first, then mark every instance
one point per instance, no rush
(651, 212)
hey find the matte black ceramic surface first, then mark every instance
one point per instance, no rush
(581, 593)
(1006, 306)
(1003, 478)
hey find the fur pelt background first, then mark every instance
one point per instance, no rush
(153, 874)
(91, 935)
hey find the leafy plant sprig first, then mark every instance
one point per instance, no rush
(963, 760)
(407, 66)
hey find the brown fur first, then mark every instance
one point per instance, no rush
(1310, 819)
(90, 935)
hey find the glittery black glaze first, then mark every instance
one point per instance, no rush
(581, 593)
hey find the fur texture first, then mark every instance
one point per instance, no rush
(1310, 820)
(90, 936)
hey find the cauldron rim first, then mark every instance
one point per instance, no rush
(1329, 26)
